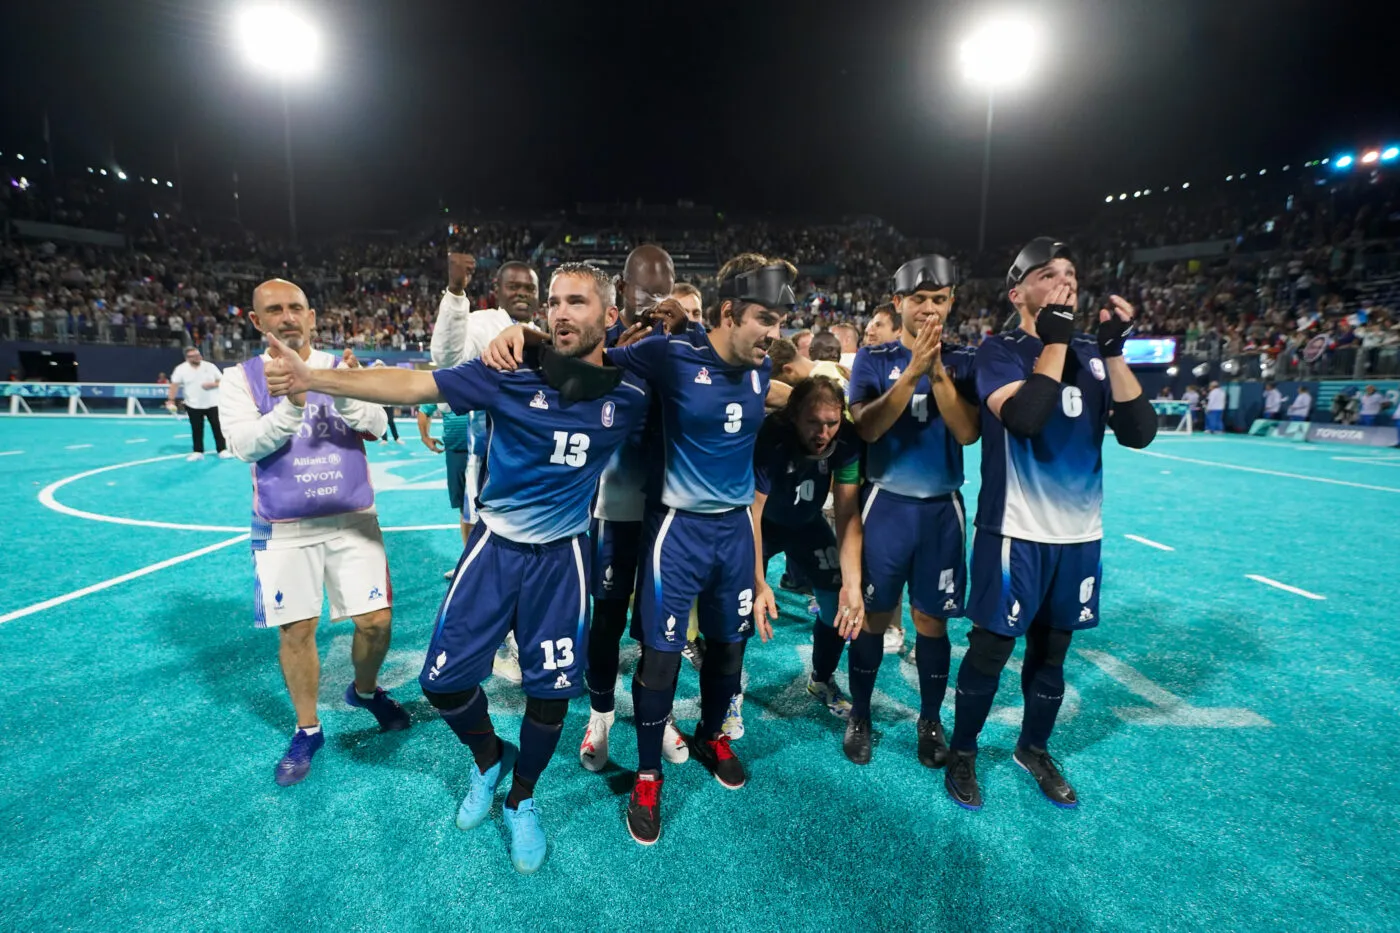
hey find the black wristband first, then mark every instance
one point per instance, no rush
(1112, 333)
(1026, 412)
(1134, 422)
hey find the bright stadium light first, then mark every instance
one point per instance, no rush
(1372, 156)
(20, 156)
(1262, 171)
(1000, 53)
(279, 40)
(102, 171)
(1123, 196)
(170, 184)
(121, 176)
(1342, 161)
(1108, 200)
(1229, 177)
(1185, 185)
(1390, 153)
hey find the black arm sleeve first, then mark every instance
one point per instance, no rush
(1026, 412)
(1134, 422)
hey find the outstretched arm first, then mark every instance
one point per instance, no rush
(288, 374)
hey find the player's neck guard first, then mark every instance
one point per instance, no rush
(575, 380)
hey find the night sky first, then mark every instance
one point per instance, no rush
(812, 107)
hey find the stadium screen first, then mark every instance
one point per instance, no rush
(1149, 351)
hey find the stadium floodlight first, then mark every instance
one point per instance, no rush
(20, 156)
(1137, 193)
(1287, 167)
(1262, 171)
(1390, 153)
(1000, 53)
(277, 40)
(1325, 161)
(1369, 157)
(121, 176)
(1123, 196)
(1342, 161)
(1108, 200)
(1229, 177)
(170, 184)
(155, 180)
(102, 171)
(1185, 185)
(1172, 370)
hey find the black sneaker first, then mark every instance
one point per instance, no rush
(644, 808)
(719, 759)
(933, 748)
(856, 744)
(1039, 765)
(960, 780)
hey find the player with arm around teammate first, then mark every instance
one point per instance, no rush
(910, 399)
(1047, 394)
(805, 451)
(554, 422)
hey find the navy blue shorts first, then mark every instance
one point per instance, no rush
(690, 556)
(615, 549)
(539, 591)
(919, 542)
(1015, 583)
(810, 549)
(456, 476)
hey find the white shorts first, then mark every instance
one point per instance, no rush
(349, 565)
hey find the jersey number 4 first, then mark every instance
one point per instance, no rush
(570, 449)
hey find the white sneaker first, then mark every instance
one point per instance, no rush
(673, 747)
(383, 440)
(894, 639)
(194, 456)
(831, 697)
(734, 719)
(398, 440)
(225, 454)
(507, 666)
(593, 750)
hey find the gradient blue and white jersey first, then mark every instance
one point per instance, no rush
(622, 489)
(1049, 488)
(710, 414)
(543, 457)
(918, 456)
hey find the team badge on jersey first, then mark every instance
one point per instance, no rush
(895, 373)
(438, 664)
(539, 401)
(1096, 367)
(562, 683)
(702, 377)
(609, 409)
(753, 378)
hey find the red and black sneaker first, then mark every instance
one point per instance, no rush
(719, 759)
(644, 808)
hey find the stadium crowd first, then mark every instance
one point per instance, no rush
(1296, 260)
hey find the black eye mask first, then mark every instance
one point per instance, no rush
(575, 380)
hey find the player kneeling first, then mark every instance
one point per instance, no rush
(802, 450)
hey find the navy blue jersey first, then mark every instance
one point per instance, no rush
(543, 457)
(918, 456)
(1049, 488)
(795, 482)
(622, 489)
(710, 412)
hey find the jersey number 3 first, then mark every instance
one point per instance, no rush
(570, 449)
(733, 417)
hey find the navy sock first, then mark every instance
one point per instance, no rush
(537, 743)
(931, 655)
(716, 690)
(472, 724)
(827, 646)
(604, 639)
(650, 708)
(862, 664)
(972, 706)
(1043, 698)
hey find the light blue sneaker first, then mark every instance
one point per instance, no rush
(527, 845)
(477, 805)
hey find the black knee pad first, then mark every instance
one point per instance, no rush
(724, 658)
(1057, 645)
(658, 670)
(451, 700)
(987, 651)
(546, 712)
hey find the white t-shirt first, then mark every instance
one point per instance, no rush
(1301, 405)
(192, 379)
(1371, 404)
(1215, 401)
(1273, 401)
(1192, 399)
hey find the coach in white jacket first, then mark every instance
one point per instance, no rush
(315, 527)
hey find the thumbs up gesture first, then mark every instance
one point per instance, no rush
(287, 374)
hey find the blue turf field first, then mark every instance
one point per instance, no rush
(1234, 744)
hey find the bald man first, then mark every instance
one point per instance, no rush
(647, 281)
(459, 335)
(314, 524)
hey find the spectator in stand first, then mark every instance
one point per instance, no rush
(162, 379)
(200, 380)
(1166, 394)
(883, 326)
(1371, 404)
(1301, 406)
(1215, 409)
(1273, 401)
(802, 340)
